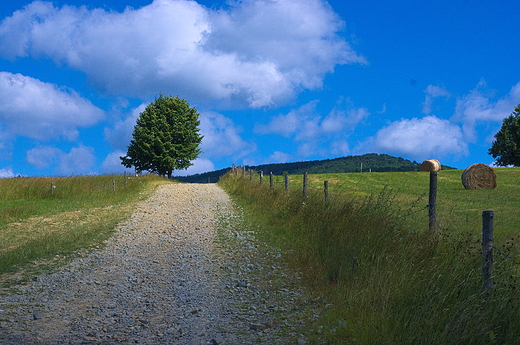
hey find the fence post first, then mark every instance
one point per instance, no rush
(305, 184)
(52, 188)
(432, 201)
(124, 178)
(487, 251)
(250, 175)
(287, 183)
(326, 190)
(261, 177)
(114, 185)
(243, 171)
(271, 182)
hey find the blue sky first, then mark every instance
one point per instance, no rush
(273, 80)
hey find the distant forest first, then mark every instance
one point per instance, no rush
(371, 162)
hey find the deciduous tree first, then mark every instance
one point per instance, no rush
(506, 146)
(166, 137)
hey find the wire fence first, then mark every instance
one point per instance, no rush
(435, 226)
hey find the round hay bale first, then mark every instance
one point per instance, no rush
(431, 165)
(479, 176)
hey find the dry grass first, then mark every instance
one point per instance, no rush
(479, 176)
(37, 225)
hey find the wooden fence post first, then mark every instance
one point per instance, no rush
(432, 201)
(305, 184)
(243, 171)
(287, 183)
(487, 251)
(261, 177)
(124, 178)
(326, 190)
(114, 185)
(250, 175)
(271, 182)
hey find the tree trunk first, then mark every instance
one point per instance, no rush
(170, 174)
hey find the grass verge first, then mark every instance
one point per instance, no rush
(46, 218)
(386, 281)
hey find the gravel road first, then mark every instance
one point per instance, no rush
(176, 272)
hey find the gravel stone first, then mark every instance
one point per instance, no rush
(176, 272)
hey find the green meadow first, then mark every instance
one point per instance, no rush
(367, 255)
(46, 218)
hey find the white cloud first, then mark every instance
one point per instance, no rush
(79, 160)
(200, 165)
(291, 123)
(476, 107)
(432, 92)
(43, 156)
(6, 172)
(38, 110)
(120, 135)
(420, 139)
(257, 52)
(112, 164)
(340, 148)
(314, 133)
(278, 157)
(305, 124)
(222, 137)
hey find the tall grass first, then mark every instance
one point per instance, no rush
(44, 217)
(384, 279)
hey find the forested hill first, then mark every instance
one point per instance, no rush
(369, 162)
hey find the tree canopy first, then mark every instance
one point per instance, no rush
(506, 146)
(165, 137)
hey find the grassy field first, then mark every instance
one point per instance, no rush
(44, 220)
(458, 210)
(368, 255)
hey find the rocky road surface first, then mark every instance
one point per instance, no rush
(166, 277)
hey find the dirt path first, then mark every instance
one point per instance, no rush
(160, 280)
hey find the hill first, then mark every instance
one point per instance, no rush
(368, 162)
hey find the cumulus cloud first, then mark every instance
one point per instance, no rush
(477, 107)
(420, 139)
(200, 165)
(316, 134)
(112, 163)
(6, 172)
(222, 137)
(305, 124)
(38, 110)
(42, 157)
(278, 157)
(120, 134)
(79, 160)
(256, 52)
(288, 124)
(432, 92)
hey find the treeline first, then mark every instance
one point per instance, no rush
(368, 162)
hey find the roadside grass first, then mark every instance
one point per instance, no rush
(367, 252)
(41, 225)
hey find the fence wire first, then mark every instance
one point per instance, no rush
(411, 212)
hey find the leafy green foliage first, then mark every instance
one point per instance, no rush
(506, 146)
(166, 137)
